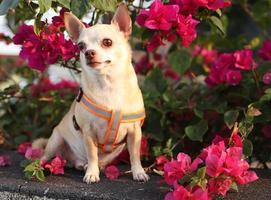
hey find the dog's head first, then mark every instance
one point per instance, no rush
(103, 47)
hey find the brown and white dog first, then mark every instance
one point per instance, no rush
(109, 80)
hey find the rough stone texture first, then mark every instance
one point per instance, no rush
(70, 186)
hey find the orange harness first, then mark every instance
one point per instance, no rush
(113, 117)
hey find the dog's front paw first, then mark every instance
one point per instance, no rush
(140, 175)
(91, 176)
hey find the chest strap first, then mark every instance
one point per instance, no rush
(113, 117)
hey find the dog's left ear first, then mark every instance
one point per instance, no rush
(122, 20)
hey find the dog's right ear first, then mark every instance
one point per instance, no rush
(73, 25)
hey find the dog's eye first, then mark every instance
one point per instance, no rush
(82, 46)
(107, 42)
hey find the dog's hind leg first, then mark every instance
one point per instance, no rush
(54, 144)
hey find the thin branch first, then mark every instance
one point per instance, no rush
(71, 67)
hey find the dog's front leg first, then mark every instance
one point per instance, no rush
(92, 168)
(134, 142)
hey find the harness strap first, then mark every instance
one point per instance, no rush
(113, 117)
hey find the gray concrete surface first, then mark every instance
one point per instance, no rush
(70, 186)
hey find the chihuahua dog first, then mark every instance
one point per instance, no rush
(109, 87)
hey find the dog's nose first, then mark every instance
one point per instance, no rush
(90, 53)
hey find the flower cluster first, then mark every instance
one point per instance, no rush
(47, 47)
(56, 166)
(5, 160)
(265, 51)
(29, 152)
(174, 19)
(45, 85)
(213, 172)
(226, 69)
(112, 172)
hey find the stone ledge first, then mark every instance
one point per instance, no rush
(70, 186)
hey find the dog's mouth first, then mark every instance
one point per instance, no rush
(97, 63)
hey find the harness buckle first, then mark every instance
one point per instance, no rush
(79, 95)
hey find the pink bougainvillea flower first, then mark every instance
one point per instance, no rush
(219, 186)
(186, 28)
(237, 140)
(267, 78)
(246, 177)
(172, 74)
(223, 70)
(45, 85)
(24, 31)
(265, 51)
(209, 56)
(112, 172)
(266, 130)
(56, 166)
(189, 6)
(33, 154)
(219, 138)
(23, 147)
(46, 48)
(144, 65)
(160, 161)
(176, 169)
(244, 59)
(155, 42)
(144, 147)
(214, 157)
(225, 61)
(217, 4)
(233, 77)
(159, 17)
(5, 160)
(181, 193)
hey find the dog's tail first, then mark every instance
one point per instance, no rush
(39, 143)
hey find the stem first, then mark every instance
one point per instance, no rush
(71, 67)
(256, 79)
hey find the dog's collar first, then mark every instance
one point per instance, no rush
(113, 117)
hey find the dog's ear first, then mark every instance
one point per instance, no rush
(73, 25)
(122, 20)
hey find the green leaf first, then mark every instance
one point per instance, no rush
(267, 91)
(248, 147)
(230, 117)
(234, 186)
(6, 5)
(44, 5)
(106, 5)
(198, 112)
(40, 175)
(65, 3)
(38, 24)
(201, 172)
(218, 23)
(253, 112)
(155, 84)
(197, 131)
(180, 60)
(80, 8)
(30, 168)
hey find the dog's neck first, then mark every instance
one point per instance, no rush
(110, 89)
